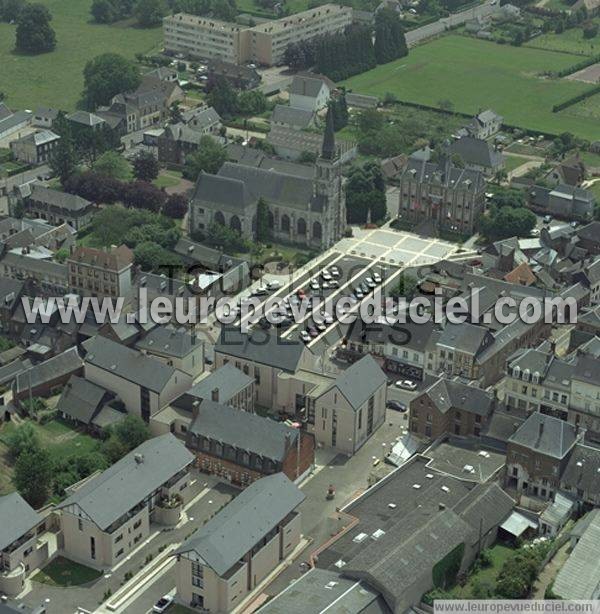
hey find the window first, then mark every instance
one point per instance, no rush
(197, 575)
(118, 538)
(80, 524)
(119, 553)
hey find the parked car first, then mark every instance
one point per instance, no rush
(326, 275)
(396, 405)
(406, 384)
(321, 326)
(163, 604)
(314, 284)
(334, 283)
(260, 291)
(334, 271)
(370, 282)
(304, 336)
(377, 278)
(547, 219)
(358, 294)
(274, 285)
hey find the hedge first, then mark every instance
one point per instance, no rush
(571, 101)
(575, 67)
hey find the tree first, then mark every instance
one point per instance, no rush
(143, 195)
(152, 256)
(24, 437)
(263, 230)
(176, 206)
(226, 10)
(114, 165)
(209, 158)
(104, 11)
(145, 166)
(34, 33)
(33, 475)
(590, 30)
(10, 9)
(95, 187)
(252, 102)
(222, 97)
(390, 42)
(149, 13)
(132, 431)
(63, 159)
(370, 120)
(365, 195)
(228, 239)
(504, 222)
(106, 76)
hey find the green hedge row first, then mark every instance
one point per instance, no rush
(571, 101)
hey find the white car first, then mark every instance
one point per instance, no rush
(334, 283)
(274, 285)
(260, 291)
(328, 318)
(163, 604)
(358, 293)
(535, 232)
(326, 275)
(326, 285)
(377, 278)
(334, 271)
(304, 336)
(406, 384)
(314, 284)
(320, 326)
(370, 283)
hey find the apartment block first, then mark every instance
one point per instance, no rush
(206, 38)
(107, 516)
(238, 548)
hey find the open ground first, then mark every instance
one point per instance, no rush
(56, 79)
(476, 74)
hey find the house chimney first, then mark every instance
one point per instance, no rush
(214, 395)
(541, 431)
(441, 507)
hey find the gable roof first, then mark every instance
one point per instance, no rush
(226, 379)
(168, 340)
(545, 434)
(307, 86)
(81, 399)
(243, 430)
(115, 259)
(292, 116)
(447, 394)
(243, 522)
(110, 495)
(129, 364)
(49, 370)
(18, 518)
(360, 381)
(261, 347)
(476, 151)
(56, 198)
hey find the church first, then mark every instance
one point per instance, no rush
(310, 212)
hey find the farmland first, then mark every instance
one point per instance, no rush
(473, 74)
(56, 79)
(569, 41)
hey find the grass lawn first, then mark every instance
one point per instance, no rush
(472, 74)
(590, 159)
(56, 79)
(63, 572)
(60, 439)
(595, 189)
(167, 180)
(570, 41)
(177, 608)
(512, 162)
(499, 553)
(586, 109)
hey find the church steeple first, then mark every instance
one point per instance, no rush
(328, 150)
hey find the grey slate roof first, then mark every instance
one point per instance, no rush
(581, 471)
(579, 578)
(546, 434)
(56, 198)
(447, 394)
(81, 399)
(306, 86)
(129, 364)
(201, 117)
(292, 116)
(241, 524)
(85, 118)
(228, 380)
(261, 347)
(477, 152)
(49, 370)
(465, 337)
(360, 381)
(168, 340)
(587, 370)
(18, 517)
(39, 138)
(16, 119)
(110, 495)
(243, 430)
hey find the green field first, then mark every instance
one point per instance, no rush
(570, 41)
(586, 109)
(476, 74)
(56, 79)
(513, 162)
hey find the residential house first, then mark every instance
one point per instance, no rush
(56, 207)
(203, 119)
(176, 347)
(177, 141)
(589, 276)
(344, 412)
(239, 76)
(580, 479)
(570, 171)
(35, 148)
(44, 117)
(89, 405)
(47, 378)
(309, 93)
(292, 117)
(240, 546)
(242, 447)
(36, 264)
(144, 384)
(537, 455)
(563, 201)
(478, 155)
(22, 548)
(101, 273)
(107, 516)
(13, 123)
(485, 124)
(450, 407)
